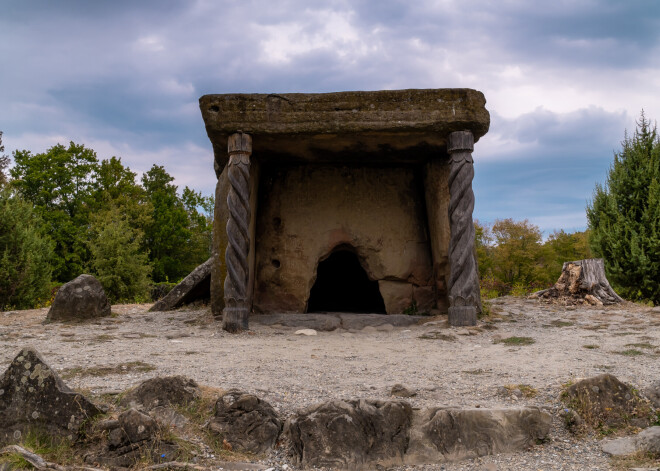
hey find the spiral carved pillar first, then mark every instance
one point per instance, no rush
(237, 304)
(463, 277)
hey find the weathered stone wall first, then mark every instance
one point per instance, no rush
(307, 211)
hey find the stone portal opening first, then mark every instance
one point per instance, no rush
(342, 285)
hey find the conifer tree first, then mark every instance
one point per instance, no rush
(624, 216)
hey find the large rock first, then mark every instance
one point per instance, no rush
(350, 434)
(647, 441)
(165, 391)
(246, 422)
(441, 434)
(605, 402)
(193, 287)
(33, 396)
(82, 298)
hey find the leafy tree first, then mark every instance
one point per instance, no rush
(25, 253)
(59, 183)
(518, 256)
(483, 239)
(117, 259)
(564, 247)
(168, 233)
(200, 223)
(624, 216)
(4, 163)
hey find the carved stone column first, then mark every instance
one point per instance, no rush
(237, 305)
(463, 277)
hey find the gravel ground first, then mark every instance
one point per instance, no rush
(464, 367)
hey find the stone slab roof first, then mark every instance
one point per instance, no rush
(379, 126)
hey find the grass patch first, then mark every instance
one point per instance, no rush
(526, 390)
(622, 334)
(559, 323)
(433, 335)
(478, 371)
(591, 346)
(516, 341)
(640, 345)
(130, 367)
(639, 459)
(631, 352)
(103, 338)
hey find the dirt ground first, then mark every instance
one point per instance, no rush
(467, 367)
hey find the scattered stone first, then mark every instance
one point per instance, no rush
(604, 401)
(652, 392)
(246, 422)
(647, 441)
(401, 391)
(81, 298)
(347, 434)
(306, 332)
(134, 427)
(33, 395)
(441, 434)
(196, 286)
(165, 391)
(619, 446)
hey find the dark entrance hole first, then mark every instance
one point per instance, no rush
(342, 285)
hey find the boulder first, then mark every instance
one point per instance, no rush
(82, 298)
(133, 427)
(246, 422)
(165, 391)
(400, 390)
(647, 441)
(441, 434)
(652, 392)
(348, 434)
(32, 395)
(605, 402)
(195, 286)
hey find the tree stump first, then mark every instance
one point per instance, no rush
(582, 281)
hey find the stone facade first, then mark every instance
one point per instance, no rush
(303, 176)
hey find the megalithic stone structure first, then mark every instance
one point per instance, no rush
(463, 277)
(237, 302)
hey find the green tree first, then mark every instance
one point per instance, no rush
(4, 163)
(117, 258)
(59, 183)
(200, 223)
(168, 233)
(25, 253)
(624, 216)
(518, 256)
(564, 247)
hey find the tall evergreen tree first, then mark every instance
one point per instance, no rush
(624, 216)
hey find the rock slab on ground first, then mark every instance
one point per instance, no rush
(33, 396)
(162, 391)
(195, 286)
(246, 422)
(604, 401)
(440, 434)
(647, 441)
(81, 298)
(350, 434)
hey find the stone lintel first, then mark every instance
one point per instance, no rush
(360, 127)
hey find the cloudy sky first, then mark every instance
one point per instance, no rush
(563, 79)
